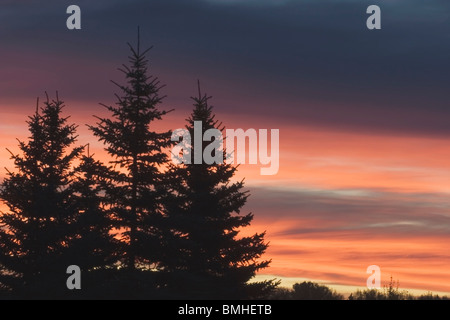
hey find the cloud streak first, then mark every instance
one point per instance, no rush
(334, 235)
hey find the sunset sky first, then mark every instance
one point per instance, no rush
(364, 115)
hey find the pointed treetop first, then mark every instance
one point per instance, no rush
(199, 91)
(37, 106)
(136, 50)
(139, 40)
(202, 100)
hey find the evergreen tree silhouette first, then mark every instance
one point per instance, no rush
(37, 228)
(94, 246)
(206, 205)
(136, 186)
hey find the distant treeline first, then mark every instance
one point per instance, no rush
(314, 291)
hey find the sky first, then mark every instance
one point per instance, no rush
(364, 120)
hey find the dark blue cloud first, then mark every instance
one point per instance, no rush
(307, 62)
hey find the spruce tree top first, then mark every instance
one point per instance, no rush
(128, 134)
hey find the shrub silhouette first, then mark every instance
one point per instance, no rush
(281, 293)
(389, 292)
(308, 290)
(430, 296)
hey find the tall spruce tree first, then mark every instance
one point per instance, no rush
(205, 204)
(136, 186)
(37, 229)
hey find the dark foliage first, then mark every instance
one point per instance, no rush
(205, 207)
(37, 230)
(94, 245)
(135, 186)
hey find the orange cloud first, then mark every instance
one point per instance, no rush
(341, 201)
